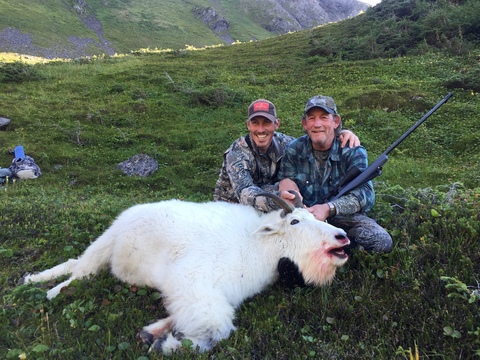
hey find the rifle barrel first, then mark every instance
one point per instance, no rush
(375, 169)
(419, 122)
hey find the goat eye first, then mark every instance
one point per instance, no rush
(294, 222)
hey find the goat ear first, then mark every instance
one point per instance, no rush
(267, 229)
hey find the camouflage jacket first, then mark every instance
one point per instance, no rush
(246, 172)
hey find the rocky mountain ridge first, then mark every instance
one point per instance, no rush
(266, 17)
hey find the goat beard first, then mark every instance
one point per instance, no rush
(318, 269)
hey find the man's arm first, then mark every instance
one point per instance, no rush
(239, 168)
(348, 137)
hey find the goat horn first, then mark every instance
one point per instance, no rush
(298, 200)
(287, 208)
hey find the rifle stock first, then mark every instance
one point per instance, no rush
(375, 169)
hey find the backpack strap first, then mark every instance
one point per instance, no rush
(276, 148)
(248, 140)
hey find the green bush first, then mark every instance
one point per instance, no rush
(467, 80)
(17, 72)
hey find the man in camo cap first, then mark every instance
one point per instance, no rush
(252, 162)
(315, 165)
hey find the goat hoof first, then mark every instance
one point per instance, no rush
(158, 344)
(146, 337)
(178, 335)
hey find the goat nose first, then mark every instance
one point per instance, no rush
(342, 238)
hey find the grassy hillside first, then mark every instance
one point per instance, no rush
(79, 119)
(169, 24)
(127, 25)
(50, 21)
(67, 30)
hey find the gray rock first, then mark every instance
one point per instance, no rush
(281, 16)
(140, 164)
(215, 21)
(211, 17)
(4, 123)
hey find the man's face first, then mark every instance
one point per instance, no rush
(261, 131)
(320, 127)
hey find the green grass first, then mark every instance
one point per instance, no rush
(44, 17)
(147, 22)
(127, 25)
(79, 119)
(378, 306)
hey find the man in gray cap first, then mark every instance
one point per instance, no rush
(315, 164)
(252, 162)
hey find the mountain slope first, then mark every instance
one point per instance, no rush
(74, 28)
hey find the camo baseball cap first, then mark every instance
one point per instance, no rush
(324, 102)
(263, 108)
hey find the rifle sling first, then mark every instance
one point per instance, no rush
(278, 153)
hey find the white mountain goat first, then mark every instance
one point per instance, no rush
(206, 259)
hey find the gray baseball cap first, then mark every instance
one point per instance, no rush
(324, 102)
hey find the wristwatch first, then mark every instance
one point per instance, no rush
(333, 210)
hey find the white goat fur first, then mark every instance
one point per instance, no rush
(205, 258)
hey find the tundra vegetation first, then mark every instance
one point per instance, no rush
(78, 119)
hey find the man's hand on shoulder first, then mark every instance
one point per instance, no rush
(346, 136)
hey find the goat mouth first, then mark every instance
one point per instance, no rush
(338, 252)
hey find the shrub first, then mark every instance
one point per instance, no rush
(17, 72)
(467, 80)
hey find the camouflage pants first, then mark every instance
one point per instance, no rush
(364, 231)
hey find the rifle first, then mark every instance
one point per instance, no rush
(355, 177)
